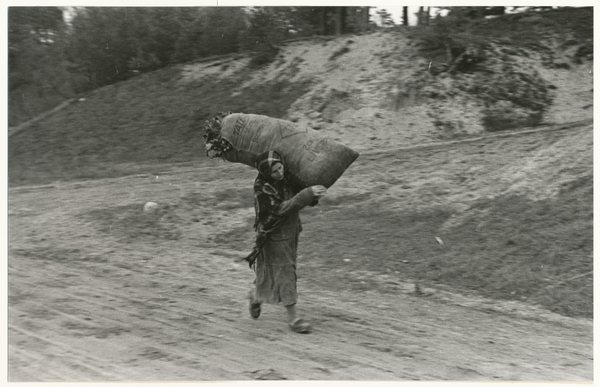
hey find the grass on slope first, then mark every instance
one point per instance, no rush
(125, 127)
(534, 251)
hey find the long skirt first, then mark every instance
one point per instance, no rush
(276, 268)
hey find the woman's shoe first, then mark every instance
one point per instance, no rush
(254, 307)
(300, 326)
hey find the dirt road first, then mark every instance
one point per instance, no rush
(100, 292)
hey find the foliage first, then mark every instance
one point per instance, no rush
(215, 144)
(339, 53)
(221, 28)
(50, 60)
(447, 38)
(503, 115)
(513, 95)
(102, 43)
(37, 80)
(331, 20)
(512, 99)
(268, 28)
(107, 44)
(474, 12)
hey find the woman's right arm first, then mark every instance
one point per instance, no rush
(299, 201)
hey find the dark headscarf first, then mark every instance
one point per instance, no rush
(264, 162)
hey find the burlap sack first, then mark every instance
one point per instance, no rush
(311, 158)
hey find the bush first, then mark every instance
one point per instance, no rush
(511, 98)
(448, 38)
(339, 53)
(264, 56)
(503, 115)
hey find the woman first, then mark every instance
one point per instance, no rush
(277, 224)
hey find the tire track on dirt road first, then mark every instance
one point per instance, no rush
(390, 346)
(79, 361)
(173, 330)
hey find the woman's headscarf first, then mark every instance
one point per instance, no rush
(268, 192)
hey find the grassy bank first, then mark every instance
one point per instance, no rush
(539, 252)
(129, 127)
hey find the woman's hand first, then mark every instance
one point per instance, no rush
(319, 191)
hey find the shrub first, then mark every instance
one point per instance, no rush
(264, 56)
(339, 53)
(448, 38)
(503, 115)
(511, 98)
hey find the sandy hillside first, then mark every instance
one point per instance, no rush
(360, 94)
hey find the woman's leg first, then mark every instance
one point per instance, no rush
(254, 306)
(296, 324)
(291, 311)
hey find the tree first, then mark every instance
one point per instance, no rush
(101, 43)
(364, 17)
(340, 20)
(386, 18)
(333, 20)
(157, 30)
(221, 30)
(475, 12)
(423, 16)
(107, 43)
(36, 77)
(31, 35)
(266, 27)
(357, 19)
(405, 16)
(187, 46)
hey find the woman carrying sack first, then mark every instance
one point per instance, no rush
(277, 203)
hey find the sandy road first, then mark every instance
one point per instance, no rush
(180, 321)
(91, 303)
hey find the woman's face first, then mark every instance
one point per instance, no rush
(277, 171)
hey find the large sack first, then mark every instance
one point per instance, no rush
(310, 157)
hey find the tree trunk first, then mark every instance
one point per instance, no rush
(339, 20)
(405, 16)
(344, 19)
(364, 13)
(322, 21)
